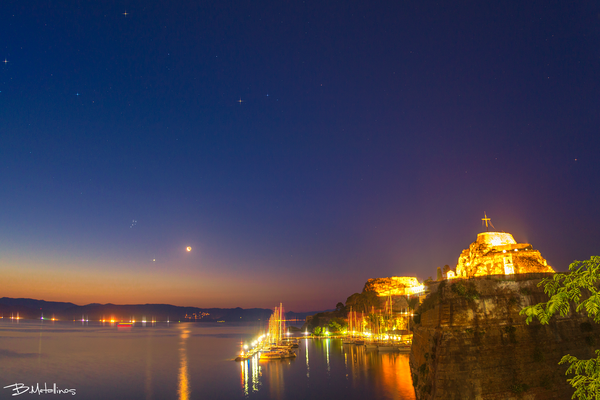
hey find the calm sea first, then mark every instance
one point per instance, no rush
(186, 361)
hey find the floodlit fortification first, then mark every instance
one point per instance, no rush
(394, 286)
(498, 253)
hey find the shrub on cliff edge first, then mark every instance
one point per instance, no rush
(468, 292)
(562, 290)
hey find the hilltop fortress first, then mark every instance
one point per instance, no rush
(498, 253)
(492, 253)
(394, 286)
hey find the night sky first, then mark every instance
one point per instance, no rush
(299, 147)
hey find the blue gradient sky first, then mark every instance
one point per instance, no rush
(369, 141)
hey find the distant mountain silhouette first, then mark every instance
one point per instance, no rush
(36, 304)
(33, 309)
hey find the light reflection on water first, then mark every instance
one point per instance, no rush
(190, 361)
(184, 386)
(148, 381)
(251, 375)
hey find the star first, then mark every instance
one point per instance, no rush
(240, 101)
(5, 61)
(125, 13)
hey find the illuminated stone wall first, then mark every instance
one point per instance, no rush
(394, 286)
(498, 253)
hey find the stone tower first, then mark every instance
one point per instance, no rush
(498, 253)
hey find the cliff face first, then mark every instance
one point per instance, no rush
(471, 343)
(498, 253)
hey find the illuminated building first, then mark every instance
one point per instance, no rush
(196, 316)
(498, 253)
(395, 286)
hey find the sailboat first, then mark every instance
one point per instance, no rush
(277, 348)
(388, 345)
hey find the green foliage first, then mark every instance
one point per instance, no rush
(415, 380)
(580, 287)
(413, 302)
(317, 330)
(335, 326)
(519, 388)
(439, 274)
(340, 310)
(363, 302)
(429, 302)
(510, 330)
(586, 379)
(564, 288)
(525, 291)
(469, 293)
(441, 285)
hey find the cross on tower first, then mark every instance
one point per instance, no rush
(486, 220)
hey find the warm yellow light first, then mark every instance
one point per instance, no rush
(189, 248)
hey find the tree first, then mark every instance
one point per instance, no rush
(413, 303)
(317, 330)
(363, 302)
(446, 269)
(580, 286)
(334, 326)
(428, 282)
(340, 309)
(439, 274)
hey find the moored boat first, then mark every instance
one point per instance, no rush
(271, 355)
(403, 347)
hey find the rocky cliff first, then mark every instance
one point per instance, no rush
(471, 343)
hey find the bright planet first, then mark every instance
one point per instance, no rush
(189, 248)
